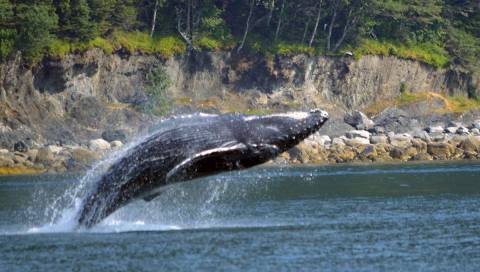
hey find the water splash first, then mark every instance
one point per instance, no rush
(61, 212)
(173, 206)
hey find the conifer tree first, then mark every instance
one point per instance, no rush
(7, 29)
(36, 23)
(63, 13)
(124, 14)
(101, 13)
(80, 26)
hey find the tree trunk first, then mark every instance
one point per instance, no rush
(305, 30)
(330, 27)
(270, 12)
(279, 21)
(189, 12)
(247, 26)
(154, 19)
(346, 28)
(179, 29)
(340, 41)
(196, 19)
(314, 33)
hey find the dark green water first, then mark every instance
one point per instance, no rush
(347, 218)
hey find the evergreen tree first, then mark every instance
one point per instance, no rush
(63, 12)
(80, 26)
(124, 14)
(36, 23)
(7, 29)
(101, 13)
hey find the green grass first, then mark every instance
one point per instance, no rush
(140, 41)
(130, 41)
(62, 47)
(462, 103)
(453, 104)
(292, 49)
(169, 45)
(428, 53)
(258, 44)
(209, 43)
(407, 98)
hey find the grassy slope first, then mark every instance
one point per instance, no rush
(166, 45)
(454, 104)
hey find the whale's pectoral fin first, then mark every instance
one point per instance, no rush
(236, 156)
(206, 162)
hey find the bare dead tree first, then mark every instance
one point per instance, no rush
(189, 15)
(351, 21)
(330, 26)
(354, 13)
(184, 33)
(317, 21)
(247, 25)
(279, 23)
(270, 12)
(154, 19)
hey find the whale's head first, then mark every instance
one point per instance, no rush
(283, 130)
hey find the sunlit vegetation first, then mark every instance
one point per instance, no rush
(456, 104)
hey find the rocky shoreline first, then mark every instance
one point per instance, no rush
(384, 140)
(380, 140)
(54, 158)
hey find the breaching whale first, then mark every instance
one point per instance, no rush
(193, 146)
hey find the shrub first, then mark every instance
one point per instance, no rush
(156, 90)
(428, 53)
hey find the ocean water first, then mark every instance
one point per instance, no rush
(406, 217)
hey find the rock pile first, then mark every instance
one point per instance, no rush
(385, 140)
(53, 158)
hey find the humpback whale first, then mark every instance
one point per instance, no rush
(193, 146)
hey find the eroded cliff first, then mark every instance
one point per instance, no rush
(78, 97)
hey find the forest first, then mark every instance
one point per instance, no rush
(442, 33)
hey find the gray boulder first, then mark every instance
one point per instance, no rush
(462, 130)
(421, 134)
(401, 140)
(451, 130)
(377, 130)
(454, 124)
(358, 134)
(379, 139)
(358, 120)
(476, 124)
(114, 135)
(116, 144)
(99, 145)
(396, 120)
(434, 129)
(45, 156)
